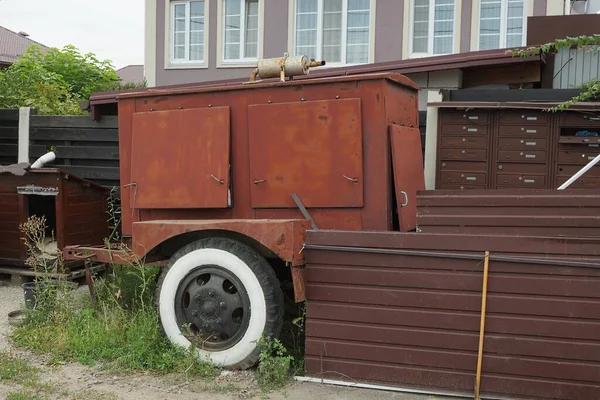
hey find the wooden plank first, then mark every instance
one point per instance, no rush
(9, 150)
(9, 114)
(79, 152)
(75, 134)
(9, 132)
(91, 173)
(53, 121)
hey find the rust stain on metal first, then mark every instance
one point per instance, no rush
(180, 158)
(323, 145)
(280, 239)
(149, 234)
(409, 177)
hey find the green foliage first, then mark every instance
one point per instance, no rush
(583, 43)
(16, 371)
(119, 326)
(53, 82)
(274, 368)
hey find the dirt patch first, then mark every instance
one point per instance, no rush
(76, 381)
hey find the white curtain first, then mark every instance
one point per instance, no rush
(341, 20)
(501, 24)
(433, 26)
(241, 29)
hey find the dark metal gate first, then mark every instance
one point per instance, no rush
(405, 310)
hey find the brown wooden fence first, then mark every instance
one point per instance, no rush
(9, 136)
(541, 212)
(404, 310)
(85, 148)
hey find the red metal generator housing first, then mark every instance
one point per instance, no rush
(221, 183)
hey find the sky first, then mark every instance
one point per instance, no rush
(111, 29)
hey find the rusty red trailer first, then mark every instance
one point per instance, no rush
(221, 184)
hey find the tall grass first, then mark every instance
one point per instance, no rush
(118, 327)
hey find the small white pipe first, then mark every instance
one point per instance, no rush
(45, 159)
(580, 173)
(376, 387)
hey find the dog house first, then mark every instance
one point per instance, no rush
(75, 211)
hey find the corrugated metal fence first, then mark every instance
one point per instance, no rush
(574, 67)
(405, 309)
(540, 212)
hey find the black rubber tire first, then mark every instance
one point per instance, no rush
(261, 269)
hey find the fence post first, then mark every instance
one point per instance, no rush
(24, 114)
(431, 134)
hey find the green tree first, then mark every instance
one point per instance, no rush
(591, 89)
(53, 82)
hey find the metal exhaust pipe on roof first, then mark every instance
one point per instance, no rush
(284, 67)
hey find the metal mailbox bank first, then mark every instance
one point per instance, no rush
(221, 183)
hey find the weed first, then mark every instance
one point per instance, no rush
(275, 364)
(119, 327)
(24, 394)
(89, 394)
(16, 371)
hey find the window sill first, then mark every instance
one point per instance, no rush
(237, 64)
(185, 66)
(426, 55)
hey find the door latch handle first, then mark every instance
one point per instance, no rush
(353, 180)
(405, 203)
(221, 181)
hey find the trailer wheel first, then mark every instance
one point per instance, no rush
(220, 296)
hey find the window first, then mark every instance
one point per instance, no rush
(501, 24)
(337, 31)
(240, 30)
(433, 27)
(187, 32)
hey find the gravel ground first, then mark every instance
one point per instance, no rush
(93, 384)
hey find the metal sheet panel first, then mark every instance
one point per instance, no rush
(409, 177)
(412, 320)
(319, 156)
(180, 158)
(541, 212)
(575, 67)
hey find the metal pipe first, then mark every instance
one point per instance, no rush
(580, 173)
(283, 67)
(378, 387)
(45, 159)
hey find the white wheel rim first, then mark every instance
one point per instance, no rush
(180, 269)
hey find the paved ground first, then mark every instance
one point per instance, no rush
(94, 384)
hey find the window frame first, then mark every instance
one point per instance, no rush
(170, 61)
(431, 30)
(293, 5)
(503, 25)
(245, 62)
